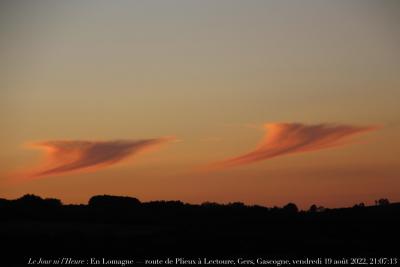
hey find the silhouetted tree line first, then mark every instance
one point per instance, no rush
(120, 208)
(115, 225)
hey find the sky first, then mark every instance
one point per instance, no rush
(262, 102)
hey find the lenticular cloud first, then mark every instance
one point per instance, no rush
(289, 138)
(74, 156)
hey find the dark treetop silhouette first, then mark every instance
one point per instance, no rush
(121, 226)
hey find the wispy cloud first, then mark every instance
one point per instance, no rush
(289, 138)
(74, 156)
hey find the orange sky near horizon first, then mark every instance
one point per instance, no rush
(96, 81)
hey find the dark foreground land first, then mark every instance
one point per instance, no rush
(124, 227)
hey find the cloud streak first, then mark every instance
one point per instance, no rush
(289, 138)
(67, 156)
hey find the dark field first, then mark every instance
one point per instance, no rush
(124, 227)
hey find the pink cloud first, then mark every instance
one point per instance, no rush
(289, 138)
(67, 156)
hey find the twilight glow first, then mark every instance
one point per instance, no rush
(98, 82)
